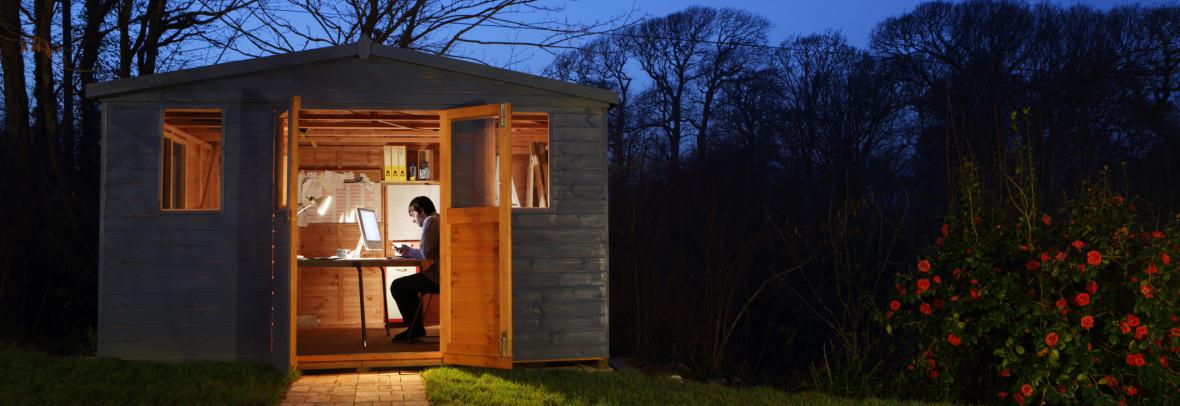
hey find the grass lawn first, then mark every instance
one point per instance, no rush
(469, 386)
(30, 377)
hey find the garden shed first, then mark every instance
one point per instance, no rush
(228, 190)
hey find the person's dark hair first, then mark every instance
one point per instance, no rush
(422, 204)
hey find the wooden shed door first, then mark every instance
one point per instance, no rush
(476, 239)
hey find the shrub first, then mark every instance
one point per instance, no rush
(1010, 304)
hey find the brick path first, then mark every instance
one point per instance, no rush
(370, 388)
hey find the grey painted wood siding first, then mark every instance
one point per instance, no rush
(185, 286)
(216, 267)
(559, 255)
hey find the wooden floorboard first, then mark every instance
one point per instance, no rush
(330, 341)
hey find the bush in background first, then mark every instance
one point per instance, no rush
(1011, 304)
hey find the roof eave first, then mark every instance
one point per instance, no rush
(361, 50)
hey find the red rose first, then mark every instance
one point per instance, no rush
(1061, 304)
(1151, 269)
(1118, 200)
(1018, 398)
(889, 314)
(937, 279)
(974, 282)
(924, 308)
(1093, 258)
(1078, 245)
(923, 285)
(894, 305)
(1140, 332)
(1092, 287)
(953, 339)
(1002, 394)
(934, 374)
(1006, 372)
(954, 298)
(1124, 327)
(1032, 265)
(1060, 256)
(1131, 391)
(1082, 299)
(1046, 219)
(1087, 322)
(1132, 320)
(1026, 390)
(1157, 234)
(974, 294)
(1146, 290)
(939, 303)
(924, 266)
(1136, 360)
(957, 273)
(1174, 332)
(1044, 257)
(1164, 257)
(1051, 339)
(1111, 381)
(1081, 267)
(1164, 362)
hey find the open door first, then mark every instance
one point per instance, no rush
(286, 234)
(476, 236)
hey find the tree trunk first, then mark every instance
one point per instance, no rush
(46, 111)
(16, 102)
(126, 54)
(67, 89)
(88, 144)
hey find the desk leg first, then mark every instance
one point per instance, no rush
(384, 302)
(360, 282)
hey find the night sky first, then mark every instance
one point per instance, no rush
(854, 18)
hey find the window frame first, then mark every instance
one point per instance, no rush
(221, 110)
(549, 168)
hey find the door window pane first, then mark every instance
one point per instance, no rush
(473, 163)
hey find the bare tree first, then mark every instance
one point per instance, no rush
(735, 46)
(46, 127)
(603, 63)
(145, 29)
(432, 26)
(671, 50)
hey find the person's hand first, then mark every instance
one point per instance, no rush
(402, 249)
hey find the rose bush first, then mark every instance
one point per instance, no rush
(1074, 307)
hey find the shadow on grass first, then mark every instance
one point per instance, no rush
(447, 385)
(30, 377)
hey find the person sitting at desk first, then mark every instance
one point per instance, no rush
(405, 290)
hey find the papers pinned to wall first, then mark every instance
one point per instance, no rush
(347, 191)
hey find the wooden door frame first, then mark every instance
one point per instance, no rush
(503, 112)
(292, 180)
(331, 361)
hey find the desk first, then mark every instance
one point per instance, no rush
(360, 264)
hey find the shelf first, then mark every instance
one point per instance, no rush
(410, 182)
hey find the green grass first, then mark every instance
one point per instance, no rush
(30, 377)
(470, 386)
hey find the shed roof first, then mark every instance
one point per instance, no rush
(363, 49)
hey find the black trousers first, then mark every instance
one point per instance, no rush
(405, 292)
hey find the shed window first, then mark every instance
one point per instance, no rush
(190, 175)
(530, 160)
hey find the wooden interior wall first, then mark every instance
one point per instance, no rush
(328, 296)
(340, 157)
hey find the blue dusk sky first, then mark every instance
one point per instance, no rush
(854, 18)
